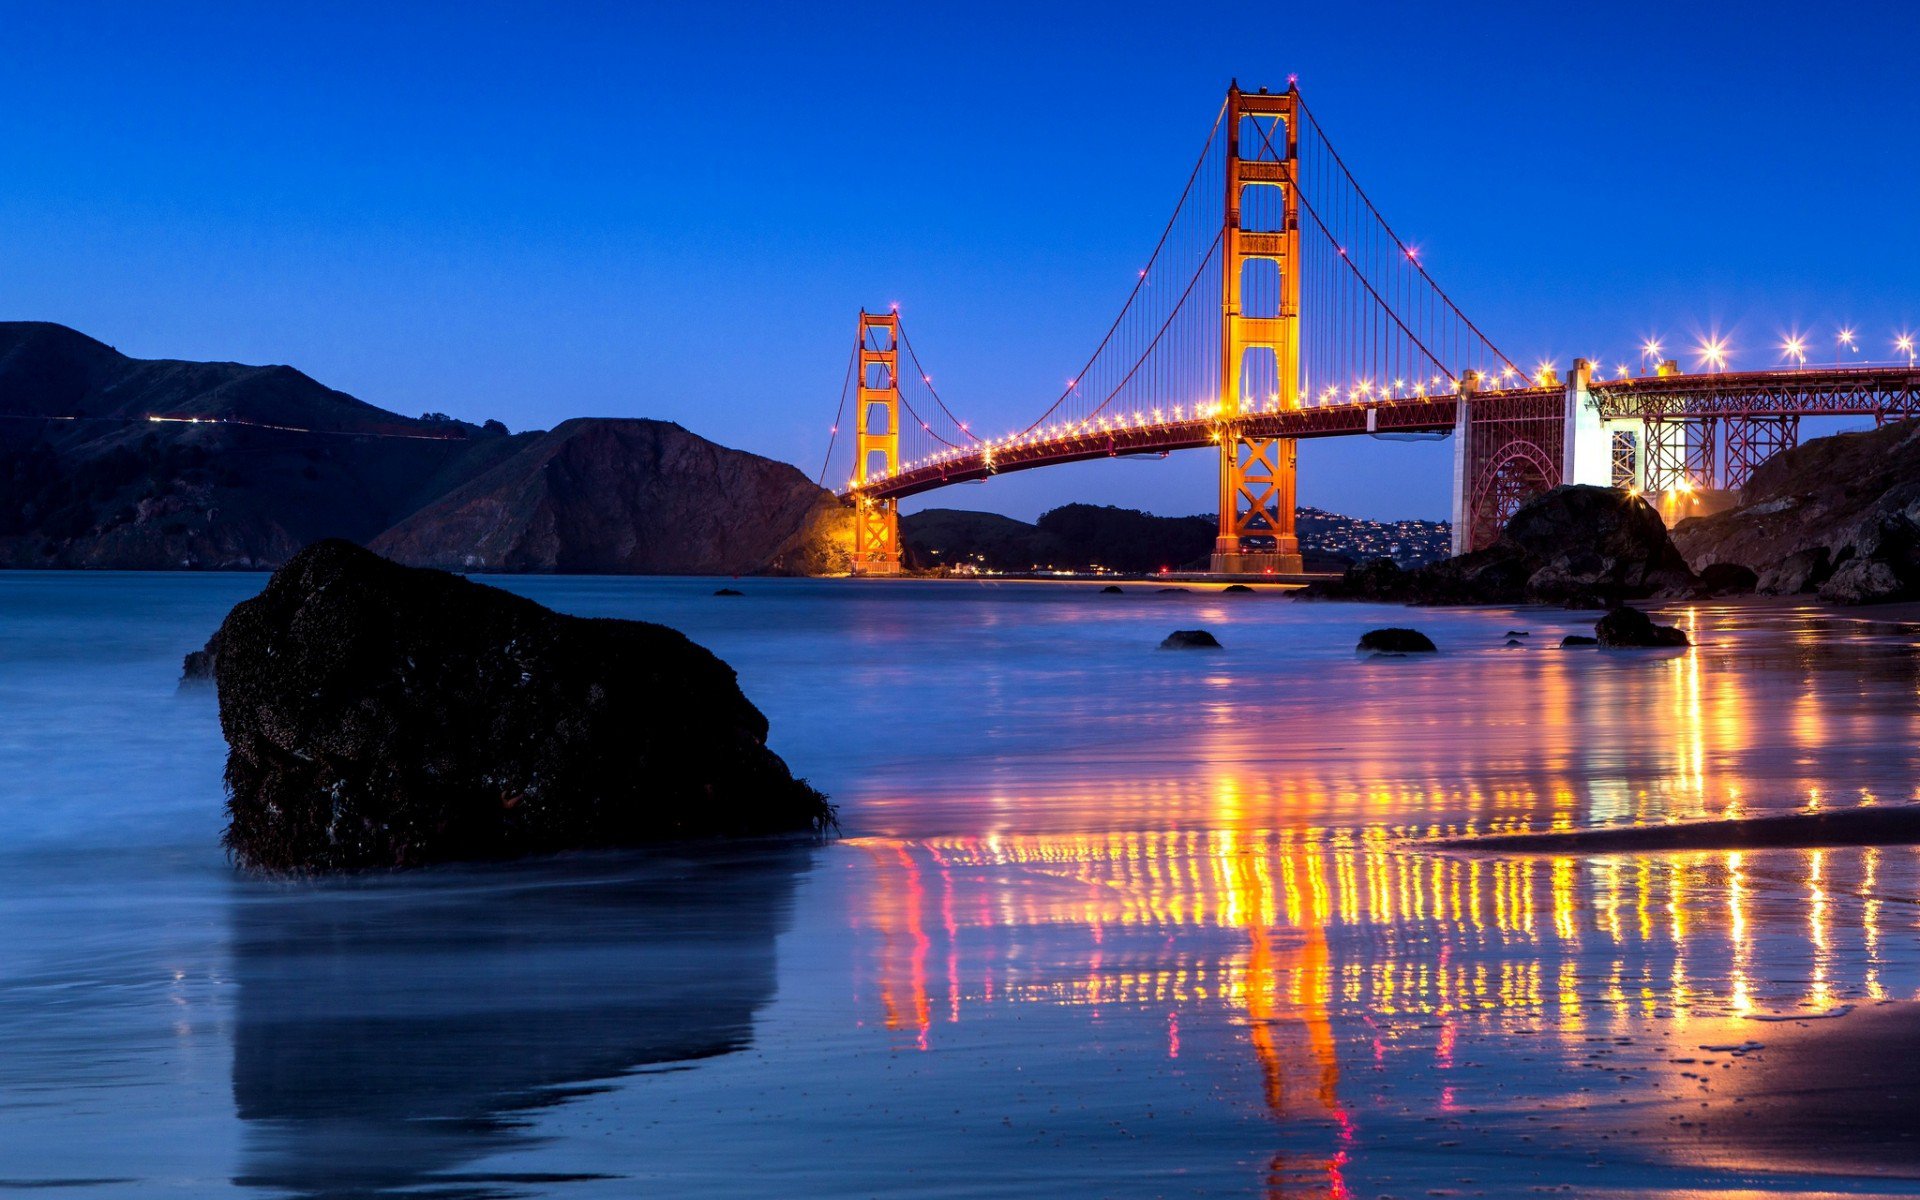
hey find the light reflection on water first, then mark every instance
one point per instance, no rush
(1105, 919)
(1324, 949)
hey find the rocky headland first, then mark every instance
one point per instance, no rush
(108, 461)
(1838, 517)
(378, 715)
(1580, 547)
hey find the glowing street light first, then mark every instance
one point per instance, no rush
(1904, 344)
(1794, 349)
(1713, 352)
(1650, 351)
(1847, 340)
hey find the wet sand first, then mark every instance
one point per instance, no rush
(1829, 1093)
(1841, 827)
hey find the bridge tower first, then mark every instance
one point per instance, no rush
(876, 522)
(1259, 334)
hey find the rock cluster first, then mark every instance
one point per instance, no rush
(379, 716)
(1839, 516)
(1577, 546)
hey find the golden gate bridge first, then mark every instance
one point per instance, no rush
(1279, 304)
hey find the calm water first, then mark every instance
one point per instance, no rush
(1104, 920)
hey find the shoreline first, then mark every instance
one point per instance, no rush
(1867, 826)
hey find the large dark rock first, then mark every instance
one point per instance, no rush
(1629, 627)
(378, 715)
(1582, 547)
(1396, 641)
(1839, 516)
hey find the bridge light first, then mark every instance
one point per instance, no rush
(1846, 339)
(1620, 372)
(1651, 349)
(1713, 352)
(1904, 344)
(1794, 348)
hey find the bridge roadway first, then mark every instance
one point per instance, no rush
(1876, 391)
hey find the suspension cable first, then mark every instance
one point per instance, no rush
(908, 405)
(1148, 352)
(928, 380)
(1368, 284)
(1410, 255)
(1142, 281)
(846, 385)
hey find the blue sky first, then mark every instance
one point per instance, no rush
(533, 212)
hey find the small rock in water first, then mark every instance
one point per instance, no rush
(1396, 641)
(1513, 641)
(1236, 587)
(1112, 589)
(1175, 589)
(729, 592)
(1629, 627)
(198, 666)
(1579, 639)
(1190, 639)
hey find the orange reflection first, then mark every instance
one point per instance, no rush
(1316, 940)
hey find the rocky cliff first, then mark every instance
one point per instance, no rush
(628, 496)
(1577, 546)
(115, 462)
(1839, 516)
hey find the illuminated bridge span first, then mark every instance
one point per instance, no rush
(1277, 305)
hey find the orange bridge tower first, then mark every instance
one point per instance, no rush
(876, 522)
(1259, 334)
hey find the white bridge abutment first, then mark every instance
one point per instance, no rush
(1462, 475)
(1587, 447)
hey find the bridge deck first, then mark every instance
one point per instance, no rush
(1808, 392)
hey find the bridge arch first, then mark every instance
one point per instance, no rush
(1514, 474)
